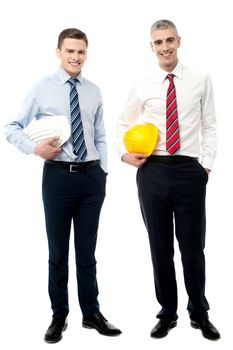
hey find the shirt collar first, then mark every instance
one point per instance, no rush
(64, 76)
(177, 71)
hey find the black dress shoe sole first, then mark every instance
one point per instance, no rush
(162, 335)
(89, 326)
(58, 339)
(195, 325)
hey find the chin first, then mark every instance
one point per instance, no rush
(74, 73)
(168, 64)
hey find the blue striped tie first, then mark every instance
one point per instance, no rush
(79, 146)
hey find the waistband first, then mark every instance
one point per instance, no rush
(172, 159)
(73, 167)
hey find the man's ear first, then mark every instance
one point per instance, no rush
(152, 47)
(179, 40)
(58, 52)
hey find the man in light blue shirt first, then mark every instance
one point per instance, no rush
(73, 186)
(50, 96)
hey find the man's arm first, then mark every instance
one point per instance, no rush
(100, 137)
(127, 119)
(14, 131)
(208, 126)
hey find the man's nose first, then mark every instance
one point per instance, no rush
(165, 46)
(75, 55)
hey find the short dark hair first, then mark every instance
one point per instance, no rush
(71, 33)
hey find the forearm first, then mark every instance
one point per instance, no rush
(14, 134)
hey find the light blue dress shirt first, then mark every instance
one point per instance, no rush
(50, 96)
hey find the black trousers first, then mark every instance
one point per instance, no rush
(72, 197)
(172, 193)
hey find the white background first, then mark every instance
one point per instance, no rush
(118, 33)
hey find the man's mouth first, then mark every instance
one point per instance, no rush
(75, 64)
(166, 54)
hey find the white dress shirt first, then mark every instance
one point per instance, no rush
(196, 112)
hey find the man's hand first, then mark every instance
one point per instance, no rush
(135, 159)
(46, 150)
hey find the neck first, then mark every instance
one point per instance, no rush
(169, 69)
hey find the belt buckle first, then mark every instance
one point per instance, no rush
(72, 166)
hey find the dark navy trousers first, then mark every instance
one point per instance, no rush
(172, 193)
(72, 197)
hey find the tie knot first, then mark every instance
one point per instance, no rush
(170, 77)
(72, 81)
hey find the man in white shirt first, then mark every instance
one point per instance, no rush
(172, 181)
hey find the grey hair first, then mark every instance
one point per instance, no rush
(162, 24)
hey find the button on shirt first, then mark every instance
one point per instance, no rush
(196, 112)
(51, 97)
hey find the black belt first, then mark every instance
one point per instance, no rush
(74, 167)
(172, 159)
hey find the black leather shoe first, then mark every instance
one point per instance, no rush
(55, 330)
(99, 322)
(207, 328)
(161, 329)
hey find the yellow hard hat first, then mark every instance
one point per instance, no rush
(141, 138)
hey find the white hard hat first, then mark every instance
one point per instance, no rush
(47, 127)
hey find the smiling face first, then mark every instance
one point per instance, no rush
(164, 43)
(72, 54)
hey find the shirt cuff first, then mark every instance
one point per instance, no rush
(207, 163)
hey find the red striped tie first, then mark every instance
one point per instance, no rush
(172, 126)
